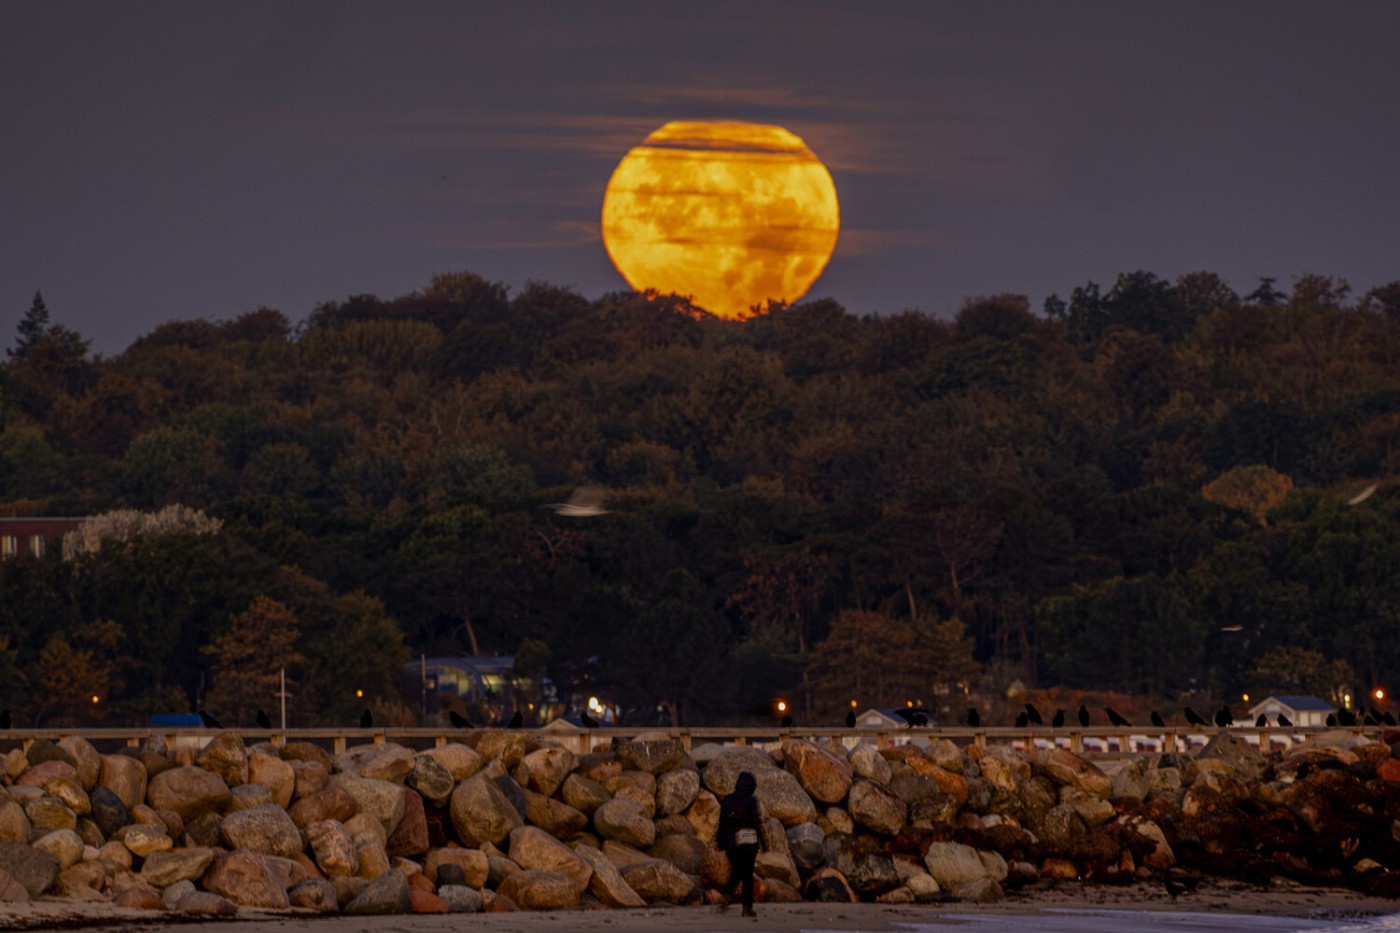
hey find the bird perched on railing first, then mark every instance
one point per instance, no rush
(516, 721)
(6, 720)
(913, 716)
(458, 720)
(1284, 721)
(1193, 717)
(1022, 721)
(974, 719)
(1261, 720)
(1157, 719)
(1083, 716)
(1115, 717)
(1033, 715)
(264, 722)
(209, 721)
(1224, 717)
(366, 719)
(588, 721)
(851, 719)
(1059, 719)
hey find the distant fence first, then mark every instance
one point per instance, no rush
(1101, 741)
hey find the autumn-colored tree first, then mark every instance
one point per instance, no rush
(1255, 490)
(1289, 670)
(873, 659)
(247, 659)
(77, 674)
(952, 668)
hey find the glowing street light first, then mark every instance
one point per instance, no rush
(1379, 694)
(782, 706)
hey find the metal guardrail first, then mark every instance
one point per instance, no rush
(1115, 741)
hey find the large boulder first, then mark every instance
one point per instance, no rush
(1236, 752)
(226, 756)
(472, 863)
(823, 774)
(189, 791)
(676, 790)
(335, 852)
(274, 774)
(954, 863)
(246, 880)
(606, 882)
(624, 820)
(45, 771)
(864, 865)
(553, 816)
(265, 830)
(685, 852)
(876, 807)
(779, 792)
(125, 777)
(431, 779)
(35, 871)
(14, 823)
(1064, 767)
(86, 759)
(480, 812)
(333, 803)
(461, 761)
(656, 881)
(584, 794)
(162, 869)
(539, 890)
(316, 895)
(63, 844)
(703, 816)
(312, 777)
(388, 762)
(386, 894)
(544, 769)
(867, 762)
(49, 813)
(652, 752)
(410, 838)
(533, 849)
(383, 800)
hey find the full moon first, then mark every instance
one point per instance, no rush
(732, 214)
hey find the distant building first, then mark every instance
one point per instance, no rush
(34, 536)
(1300, 710)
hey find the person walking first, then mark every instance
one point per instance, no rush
(741, 835)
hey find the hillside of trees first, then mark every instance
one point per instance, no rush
(1147, 489)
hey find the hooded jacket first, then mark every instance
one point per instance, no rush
(740, 810)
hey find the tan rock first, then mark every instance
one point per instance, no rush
(824, 775)
(124, 776)
(333, 803)
(311, 778)
(275, 774)
(533, 849)
(606, 883)
(473, 863)
(384, 800)
(461, 761)
(388, 762)
(334, 850)
(480, 812)
(189, 791)
(87, 761)
(226, 756)
(703, 814)
(144, 838)
(539, 890)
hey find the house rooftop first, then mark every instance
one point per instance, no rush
(1301, 703)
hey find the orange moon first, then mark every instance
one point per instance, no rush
(731, 214)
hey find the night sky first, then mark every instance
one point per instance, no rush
(168, 161)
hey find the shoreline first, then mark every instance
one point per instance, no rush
(1067, 905)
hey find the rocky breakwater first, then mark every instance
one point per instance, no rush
(504, 821)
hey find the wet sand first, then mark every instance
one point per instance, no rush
(1215, 906)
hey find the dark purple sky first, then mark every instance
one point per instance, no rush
(176, 160)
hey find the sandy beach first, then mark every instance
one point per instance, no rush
(1064, 907)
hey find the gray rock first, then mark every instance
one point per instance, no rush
(14, 823)
(978, 891)
(676, 790)
(63, 844)
(876, 807)
(805, 845)
(431, 779)
(652, 752)
(481, 813)
(657, 881)
(315, 894)
(624, 820)
(384, 800)
(607, 883)
(36, 871)
(227, 757)
(266, 830)
(540, 890)
(189, 791)
(461, 899)
(172, 893)
(685, 852)
(108, 811)
(953, 863)
(387, 894)
(169, 867)
(388, 762)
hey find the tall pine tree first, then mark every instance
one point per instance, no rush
(33, 327)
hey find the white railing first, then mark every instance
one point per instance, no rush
(1110, 741)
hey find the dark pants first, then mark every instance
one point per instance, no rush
(741, 859)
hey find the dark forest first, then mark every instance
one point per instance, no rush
(1157, 491)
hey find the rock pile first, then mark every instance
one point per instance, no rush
(504, 821)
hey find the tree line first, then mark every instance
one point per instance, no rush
(1157, 489)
